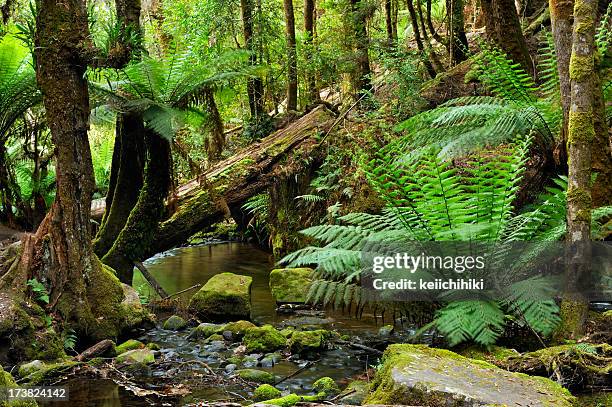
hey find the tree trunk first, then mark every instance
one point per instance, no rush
(581, 133)
(561, 24)
(504, 28)
(362, 79)
(292, 80)
(309, 28)
(389, 23)
(138, 233)
(129, 166)
(417, 37)
(458, 46)
(432, 29)
(254, 85)
(216, 142)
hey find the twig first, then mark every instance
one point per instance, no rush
(342, 395)
(151, 280)
(359, 346)
(300, 370)
(185, 290)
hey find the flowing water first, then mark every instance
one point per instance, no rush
(181, 268)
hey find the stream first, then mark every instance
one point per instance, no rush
(180, 358)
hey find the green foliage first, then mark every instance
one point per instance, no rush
(466, 124)
(70, 339)
(38, 288)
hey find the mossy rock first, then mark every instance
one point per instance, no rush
(215, 338)
(290, 285)
(145, 356)
(326, 385)
(354, 393)
(31, 367)
(266, 392)
(308, 341)
(204, 330)
(255, 375)
(225, 296)
(263, 339)
(50, 371)
(130, 344)
(417, 374)
(594, 400)
(290, 400)
(175, 323)
(7, 381)
(237, 328)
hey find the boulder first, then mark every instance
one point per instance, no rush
(417, 374)
(130, 344)
(136, 356)
(175, 323)
(7, 381)
(290, 285)
(225, 296)
(270, 359)
(386, 331)
(266, 392)
(326, 385)
(263, 339)
(307, 341)
(355, 393)
(257, 376)
(31, 367)
(204, 330)
(237, 328)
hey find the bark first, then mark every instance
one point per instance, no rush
(458, 45)
(138, 231)
(309, 29)
(432, 29)
(561, 15)
(292, 80)
(417, 38)
(602, 151)
(389, 23)
(362, 79)
(216, 142)
(581, 133)
(254, 85)
(129, 166)
(504, 28)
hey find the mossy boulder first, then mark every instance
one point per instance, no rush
(237, 328)
(595, 400)
(417, 374)
(175, 323)
(290, 285)
(7, 381)
(255, 375)
(50, 371)
(290, 400)
(266, 392)
(494, 354)
(28, 368)
(308, 341)
(204, 330)
(263, 339)
(145, 356)
(225, 296)
(326, 385)
(130, 344)
(354, 393)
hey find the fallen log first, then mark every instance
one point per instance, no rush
(105, 347)
(229, 183)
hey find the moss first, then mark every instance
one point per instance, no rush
(266, 392)
(594, 400)
(237, 328)
(290, 285)
(292, 399)
(255, 375)
(326, 385)
(153, 346)
(224, 296)
(581, 67)
(47, 345)
(573, 312)
(579, 197)
(496, 355)
(304, 341)
(580, 128)
(130, 344)
(7, 381)
(204, 330)
(215, 337)
(50, 371)
(264, 339)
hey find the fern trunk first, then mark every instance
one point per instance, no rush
(581, 133)
(128, 164)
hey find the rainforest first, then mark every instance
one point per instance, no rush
(198, 199)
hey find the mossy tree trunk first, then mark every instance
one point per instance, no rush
(504, 28)
(292, 79)
(60, 254)
(138, 233)
(309, 29)
(581, 133)
(458, 44)
(418, 39)
(216, 142)
(128, 164)
(362, 77)
(254, 85)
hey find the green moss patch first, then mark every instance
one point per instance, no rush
(264, 339)
(290, 285)
(224, 296)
